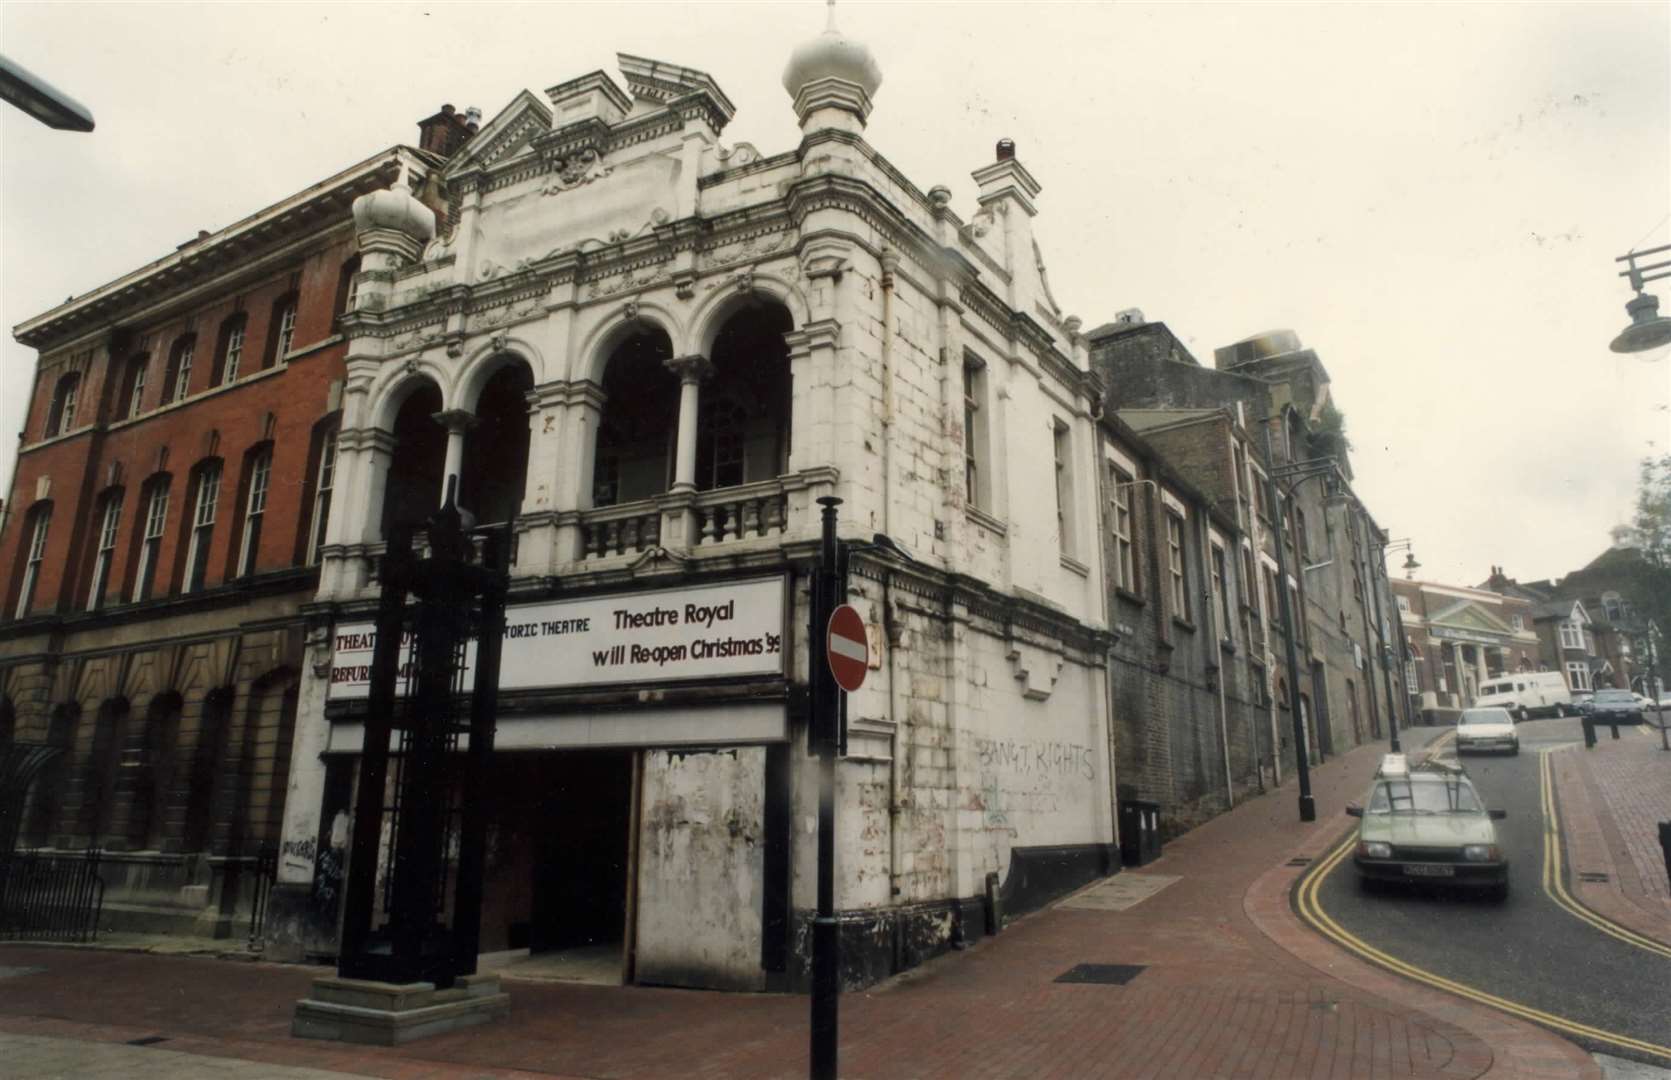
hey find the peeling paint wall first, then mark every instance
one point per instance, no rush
(700, 876)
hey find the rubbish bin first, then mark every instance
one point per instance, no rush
(1139, 832)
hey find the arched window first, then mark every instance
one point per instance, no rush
(229, 350)
(258, 468)
(413, 489)
(743, 421)
(110, 520)
(35, 528)
(637, 433)
(324, 475)
(178, 384)
(60, 414)
(348, 286)
(148, 533)
(46, 800)
(205, 499)
(496, 449)
(281, 330)
(206, 776)
(103, 772)
(133, 385)
(146, 773)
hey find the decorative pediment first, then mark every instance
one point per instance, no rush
(658, 83)
(507, 134)
(1467, 615)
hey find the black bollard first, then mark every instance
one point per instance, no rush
(1665, 846)
(1615, 725)
(1589, 733)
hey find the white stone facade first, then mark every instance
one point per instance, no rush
(598, 217)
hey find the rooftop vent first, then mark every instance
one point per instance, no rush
(1006, 149)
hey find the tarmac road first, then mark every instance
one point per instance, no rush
(1528, 949)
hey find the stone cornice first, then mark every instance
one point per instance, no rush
(300, 218)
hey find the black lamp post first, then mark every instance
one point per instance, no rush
(457, 599)
(1296, 473)
(1648, 329)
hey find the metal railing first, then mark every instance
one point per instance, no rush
(265, 873)
(55, 897)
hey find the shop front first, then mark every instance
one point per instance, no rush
(639, 811)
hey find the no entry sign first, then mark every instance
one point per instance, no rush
(846, 648)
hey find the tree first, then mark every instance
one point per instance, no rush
(1651, 525)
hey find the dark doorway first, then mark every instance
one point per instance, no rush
(582, 817)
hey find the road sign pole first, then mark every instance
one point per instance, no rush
(826, 955)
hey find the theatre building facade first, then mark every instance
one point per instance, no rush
(647, 354)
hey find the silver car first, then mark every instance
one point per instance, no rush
(1427, 824)
(1486, 729)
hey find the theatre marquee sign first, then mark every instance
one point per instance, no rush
(702, 632)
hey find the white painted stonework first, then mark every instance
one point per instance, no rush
(586, 214)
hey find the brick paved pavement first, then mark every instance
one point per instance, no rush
(1218, 998)
(1611, 799)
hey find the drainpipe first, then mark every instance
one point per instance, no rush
(1215, 634)
(890, 262)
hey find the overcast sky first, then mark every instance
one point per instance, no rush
(1432, 196)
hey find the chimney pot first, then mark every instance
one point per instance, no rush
(1006, 149)
(446, 110)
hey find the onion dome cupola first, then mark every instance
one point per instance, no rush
(832, 79)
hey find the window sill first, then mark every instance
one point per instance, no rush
(985, 520)
(1128, 596)
(1071, 563)
(308, 350)
(192, 399)
(1183, 624)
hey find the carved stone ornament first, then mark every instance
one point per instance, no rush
(455, 348)
(741, 154)
(498, 341)
(411, 365)
(939, 196)
(581, 167)
(438, 248)
(629, 311)
(684, 285)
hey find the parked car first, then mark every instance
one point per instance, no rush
(1428, 824)
(1583, 702)
(1616, 707)
(1528, 694)
(1486, 729)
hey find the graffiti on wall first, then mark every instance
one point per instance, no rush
(1026, 777)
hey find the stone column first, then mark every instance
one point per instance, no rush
(457, 422)
(691, 370)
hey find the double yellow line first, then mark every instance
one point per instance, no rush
(1312, 912)
(1554, 877)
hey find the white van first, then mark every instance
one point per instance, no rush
(1541, 693)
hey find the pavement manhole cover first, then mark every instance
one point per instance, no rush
(1101, 974)
(149, 1040)
(1302, 860)
(1594, 876)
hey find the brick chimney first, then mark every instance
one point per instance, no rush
(447, 130)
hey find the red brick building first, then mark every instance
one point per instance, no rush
(160, 537)
(1457, 638)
